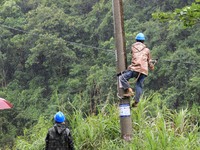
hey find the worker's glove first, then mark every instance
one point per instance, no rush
(154, 61)
(152, 67)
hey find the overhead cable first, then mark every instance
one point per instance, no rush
(73, 43)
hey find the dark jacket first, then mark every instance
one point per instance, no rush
(59, 138)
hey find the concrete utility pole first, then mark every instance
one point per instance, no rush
(124, 106)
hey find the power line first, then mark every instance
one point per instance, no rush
(178, 61)
(98, 48)
(73, 43)
(8, 27)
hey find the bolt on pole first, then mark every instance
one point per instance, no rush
(121, 63)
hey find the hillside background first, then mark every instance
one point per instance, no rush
(60, 55)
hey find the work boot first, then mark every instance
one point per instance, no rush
(129, 92)
(135, 104)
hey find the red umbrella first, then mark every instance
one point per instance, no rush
(4, 104)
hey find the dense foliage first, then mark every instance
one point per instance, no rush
(59, 55)
(154, 128)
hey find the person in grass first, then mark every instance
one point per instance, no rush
(59, 136)
(141, 61)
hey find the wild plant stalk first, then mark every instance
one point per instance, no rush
(151, 130)
(154, 128)
(34, 138)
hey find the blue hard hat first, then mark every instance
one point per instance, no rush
(140, 36)
(59, 117)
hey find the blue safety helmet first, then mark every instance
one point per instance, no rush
(140, 37)
(59, 117)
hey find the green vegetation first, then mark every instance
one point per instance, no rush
(60, 55)
(188, 15)
(154, 127)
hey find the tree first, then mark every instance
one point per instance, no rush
(189, 15)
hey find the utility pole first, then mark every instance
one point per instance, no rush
(121, 63)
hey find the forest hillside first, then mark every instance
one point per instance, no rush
(60, 55)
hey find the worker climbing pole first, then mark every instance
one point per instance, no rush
(124, 106)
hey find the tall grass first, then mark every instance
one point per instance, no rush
(33, 138)
(154, 128)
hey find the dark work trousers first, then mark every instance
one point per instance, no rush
(124, 78)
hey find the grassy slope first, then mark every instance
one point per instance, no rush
(154, 128)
